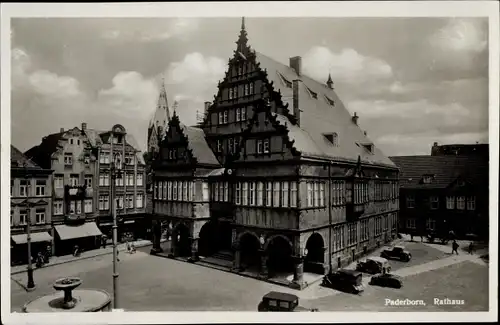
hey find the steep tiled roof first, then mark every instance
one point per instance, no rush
(318, 117)
(18, 159)
(41, 154)
(445, 169)
(198, 145)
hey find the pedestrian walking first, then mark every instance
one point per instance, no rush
(454, 247)
(471, 248)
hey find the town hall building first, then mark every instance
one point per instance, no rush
(278, 178)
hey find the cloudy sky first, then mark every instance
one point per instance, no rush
(412, 81)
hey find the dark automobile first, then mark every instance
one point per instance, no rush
(344, 280)
(280, 301)
(374, 265)
(387, 280)
(396, 253)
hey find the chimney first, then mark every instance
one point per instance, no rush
(84, 126)
(296, 100)
(61, 130)
(435, 144)
(355, 118)
(296, 64)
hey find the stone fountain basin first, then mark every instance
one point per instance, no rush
(67, 283)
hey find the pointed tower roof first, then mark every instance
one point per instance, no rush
(242, 41)
(329, 83)
(161, 116)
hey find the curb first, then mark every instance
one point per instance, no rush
(78, 259)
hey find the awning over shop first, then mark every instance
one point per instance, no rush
(85, 230)
(36, 237)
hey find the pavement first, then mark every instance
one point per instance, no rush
(149, 283)
(56, 260)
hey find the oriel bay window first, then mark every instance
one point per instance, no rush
(275, 194)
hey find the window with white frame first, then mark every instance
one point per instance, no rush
(252, 193)
(104, 157)
(40, 187)
(139, 179)
(411, 223)
(72, 207)
(119, 202)
(269, 194)
(410, 201)
(169, 190)
(461, 202)
(68, 159)
(58, 207)
(238, 114)
(219, 145)
(284, 194)
(260, 194)
(276, 194)
(78, 207)
(164, 192)
(226, 192)
(265, 146)
(215, 191)
(104, 180)
(245, 91)
(130, 201)
(88, 206)
(23, 187)
(58, 181)
(316, 194)
(450, 202)
(430, 224)
(40, 216)
(322, 194)
(351, 234)
(88, 181)
(244, 193)
(74, 180)
(471, 203)
(259, 146)
(129, 179)
(230, 94)
(434, 202)
(104, 202)
(139, 200)
(221, 191)
(238, 193)
(174, 193)
(23, 217)
(225, 117)
(205, 191)
(243, 113)
(191, 191)
(119, 180)
(293, 194)
(185, 191)
(310, 194)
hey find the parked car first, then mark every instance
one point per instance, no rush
(374, 265)
(396, 253)
(280, 301)
(387, 280)
(350, 281)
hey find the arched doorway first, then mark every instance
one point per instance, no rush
(181, 240)
(315, 258)
(279, 251)
(208, 242)
(249, 251)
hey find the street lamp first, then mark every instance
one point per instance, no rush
(31, 283)
(115, 172)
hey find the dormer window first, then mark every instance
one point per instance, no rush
(332, 138)
(427, 179)
(330, 101)
(312, 93)
(285, 82)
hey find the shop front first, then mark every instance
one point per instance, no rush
(86, 236)
(19, 246)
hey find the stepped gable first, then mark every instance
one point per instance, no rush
(319, 117)
(445, 169)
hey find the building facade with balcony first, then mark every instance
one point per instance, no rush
(73, 161)
(30, 202)
(445, 192)
(129, 184)
(298, 185)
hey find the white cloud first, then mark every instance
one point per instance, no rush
(461, 35)
(347, 66)
(50, 84)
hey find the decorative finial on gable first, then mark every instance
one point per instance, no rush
(242, 23)
(329, 83)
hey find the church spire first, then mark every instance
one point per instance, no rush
(243, 39)
(329, 83)
(159, 123)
